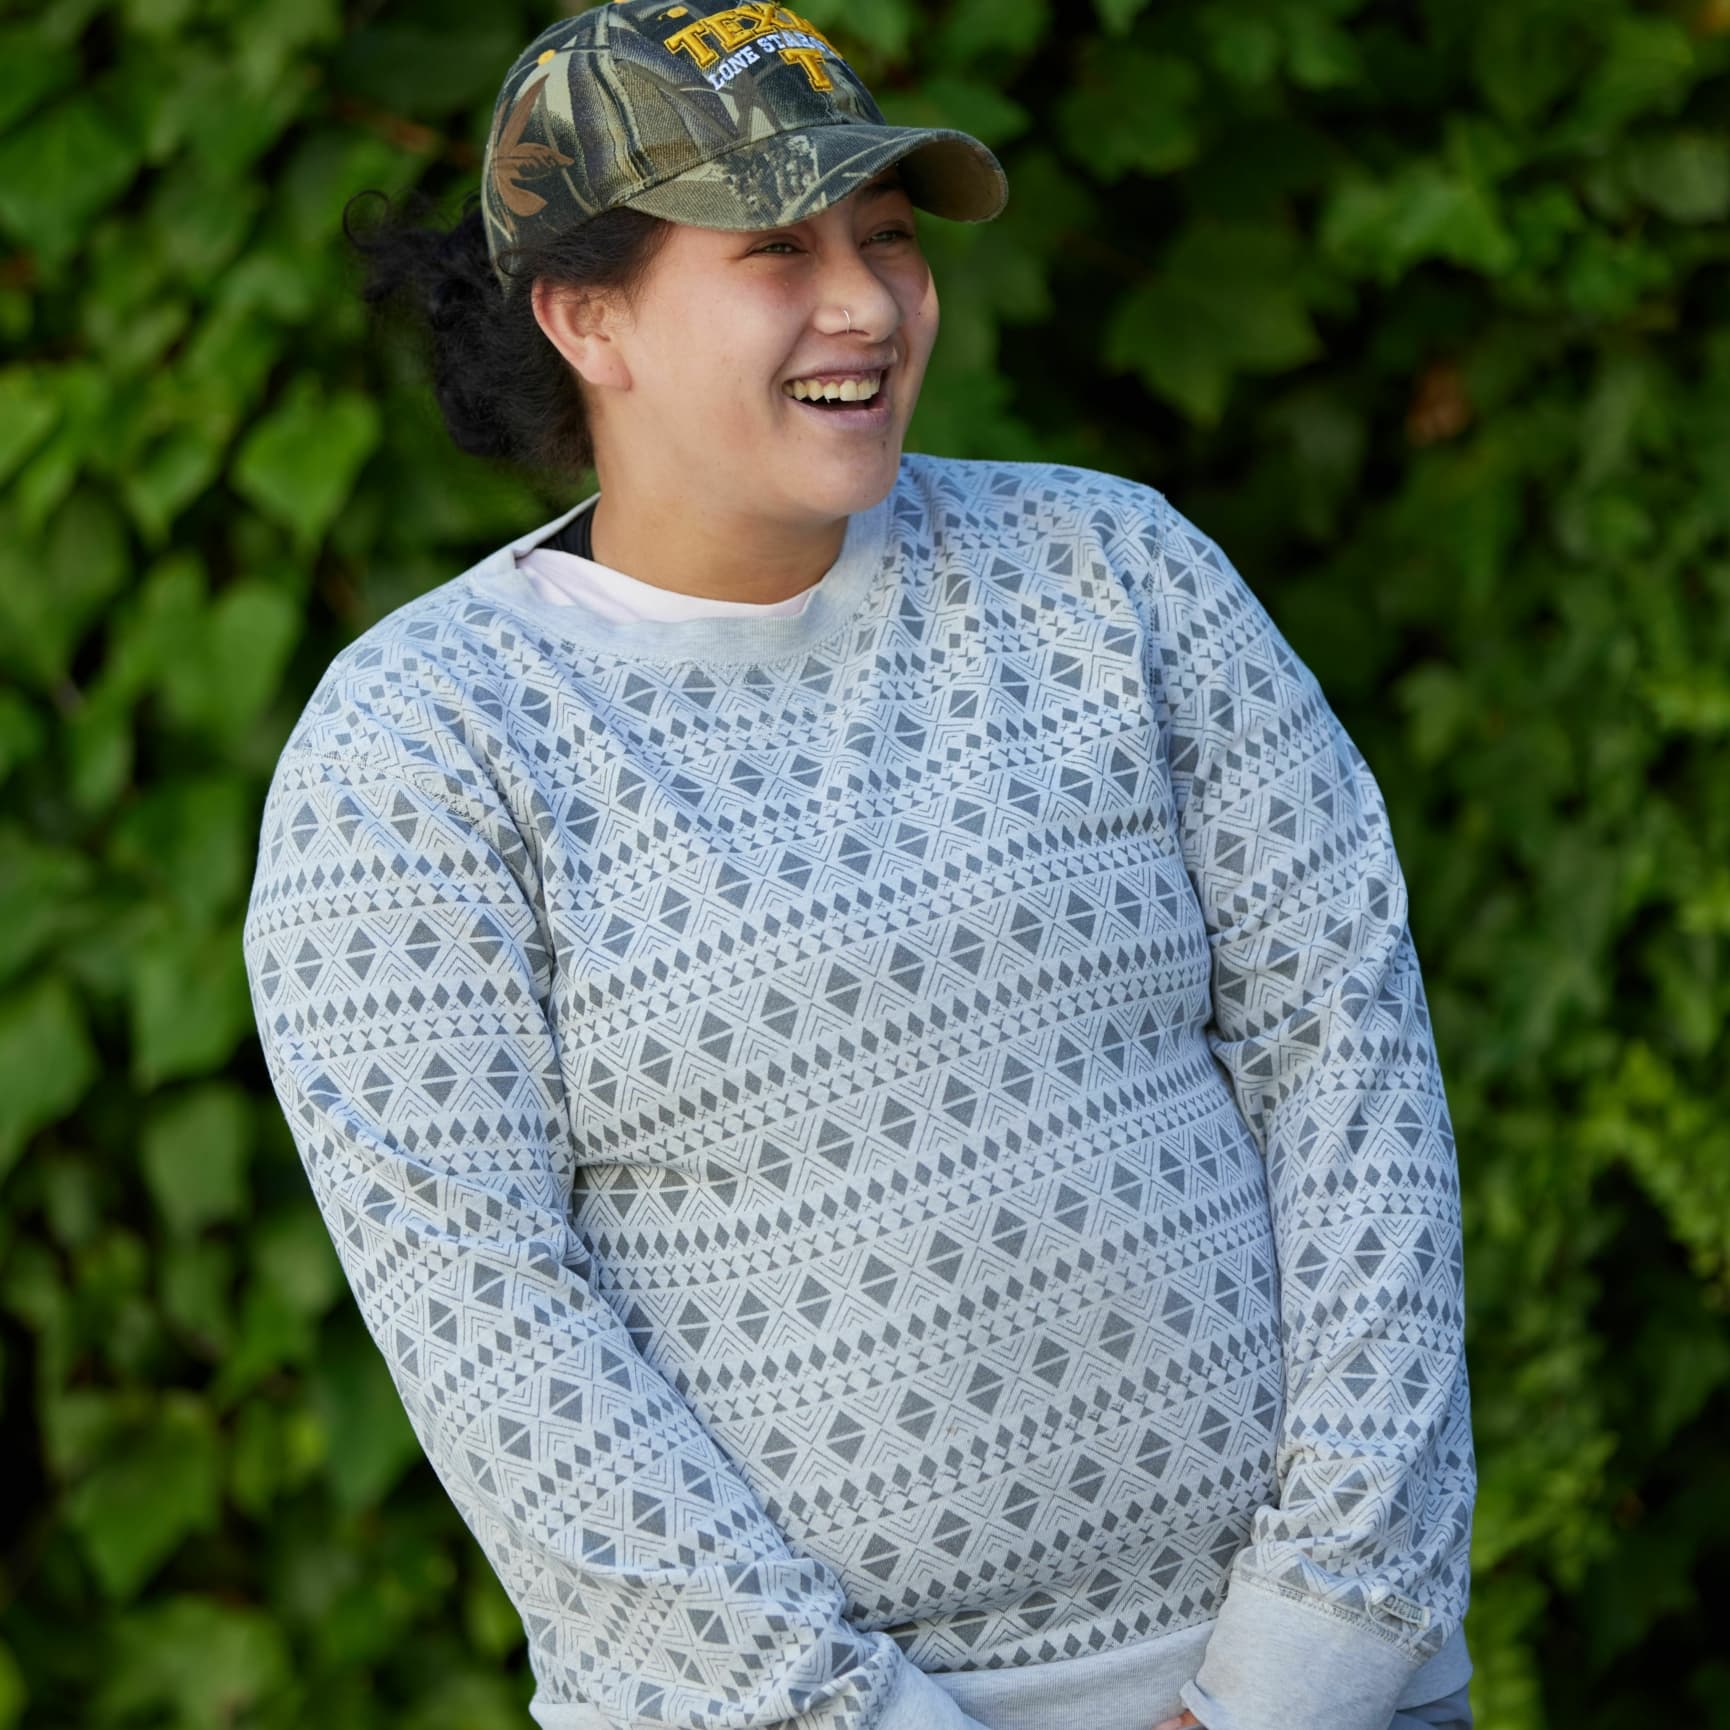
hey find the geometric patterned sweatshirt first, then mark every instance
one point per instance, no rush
(894, 1154)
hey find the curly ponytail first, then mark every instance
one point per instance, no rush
(503, 389)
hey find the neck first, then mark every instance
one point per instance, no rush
(722, 552)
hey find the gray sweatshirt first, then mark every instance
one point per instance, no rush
(894, 1153)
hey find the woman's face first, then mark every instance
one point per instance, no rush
(701, 366)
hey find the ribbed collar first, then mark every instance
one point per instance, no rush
(838, 595)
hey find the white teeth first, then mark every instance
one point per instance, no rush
(846, 390)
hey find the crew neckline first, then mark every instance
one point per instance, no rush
(719, 638)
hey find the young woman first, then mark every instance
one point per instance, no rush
(851, 1014)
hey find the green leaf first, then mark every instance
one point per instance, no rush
(150, 632)
(293, 1255)
(1607, 276)
(1118, 15)
(99, 754)
(865, 30)
(1526, 57)
(271, 1333)
(1243, 46)
(224, 112)
(1480, 151)
(294, 1281)
(208, 1665)
(135, 1510)
(82, 1426)
(1235, 292)
(176, 471)
(191, 841)
(1691, 700)
(224, 367)
(51, 591)
(47, 1062)
(32, 68)
(14, 1694)
(189, 1002)
(200, 217)
(490, 1619)
(43, 890)
(1320, 54)
(157, 17)
(194, 1153)
(84, 429)
(426, 71)
(963, 103)
(23, 734)
(1646, 66)
(60, 171)
(29, 408)
(371, 1440)
(1685, 176)
(1129, 110)
(971, 29)
(1382, 228)
(1443, 710)
(299, 464)
(196, 1279)
(470, 1700)
(246, 640)
(80, 449)
(274, 278)
(141, 341)
(69, 1188)
(269, 48)
(275, 1448)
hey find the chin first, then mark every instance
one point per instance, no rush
(855, 482)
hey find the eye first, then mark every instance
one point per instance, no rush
(892, 233)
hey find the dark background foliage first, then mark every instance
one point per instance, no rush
(1419, 309)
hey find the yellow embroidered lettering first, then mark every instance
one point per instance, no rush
(810, 61)
(690, 41)
(732, 30)
(707, 39)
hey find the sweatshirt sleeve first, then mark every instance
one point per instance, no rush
(1360, 1571)
(400, 974)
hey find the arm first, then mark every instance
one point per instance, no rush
(400, 976)
(1359, 1573)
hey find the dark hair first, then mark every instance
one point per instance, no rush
(503, 389)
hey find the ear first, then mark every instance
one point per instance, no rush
(581, 325)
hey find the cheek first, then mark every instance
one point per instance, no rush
(731, 349)
(700, 375)
(923, 312)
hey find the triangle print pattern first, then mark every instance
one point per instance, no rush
(927, 1147)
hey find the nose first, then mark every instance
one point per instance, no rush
(848, 282)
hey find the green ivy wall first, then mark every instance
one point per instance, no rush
(1419, 309)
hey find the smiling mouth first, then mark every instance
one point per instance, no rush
(856, 400)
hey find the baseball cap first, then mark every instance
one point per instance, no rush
(735, 117)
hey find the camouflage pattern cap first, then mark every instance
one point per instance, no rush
(722, 116)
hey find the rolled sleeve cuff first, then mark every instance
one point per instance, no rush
(919, 1703)
(1276, 1663)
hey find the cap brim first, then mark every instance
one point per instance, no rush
(789, 176)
